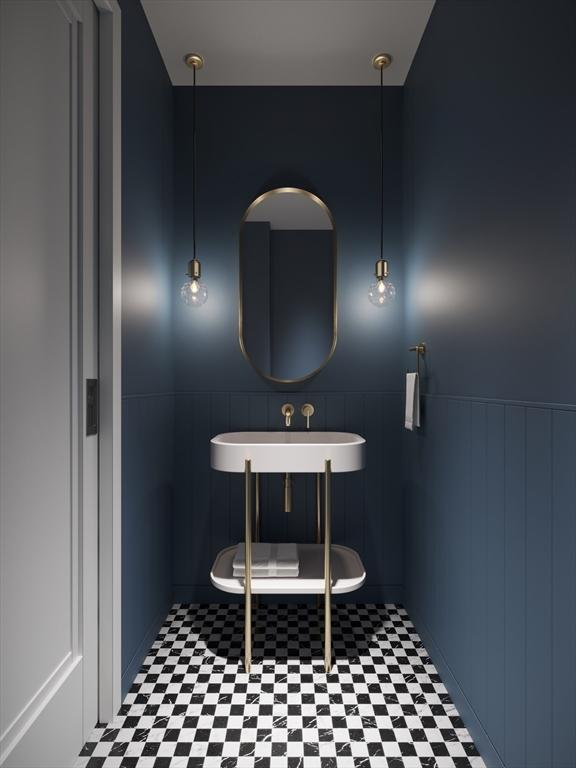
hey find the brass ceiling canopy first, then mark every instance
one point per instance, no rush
(382, 61)
(194, 60)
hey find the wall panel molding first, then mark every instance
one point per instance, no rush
(491, 571)
(500, 401)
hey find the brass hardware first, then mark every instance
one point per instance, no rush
(322, 204)
(381, 61)
(307, 411)
(420, 350)
(318, 508)
(381, 269)
(288, 411)
(248, 565)
(256, 521)
(318, 519)
(257, 506)
(194, 270)
(327, 567)
(194, 60)
(287, 492)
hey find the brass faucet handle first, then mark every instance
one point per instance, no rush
(288, 412)
(307, 411)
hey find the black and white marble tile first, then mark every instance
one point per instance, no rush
(382, 706)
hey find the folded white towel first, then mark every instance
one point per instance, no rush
(265, 573)
(268, 559)
(283, 555)
(412, 415)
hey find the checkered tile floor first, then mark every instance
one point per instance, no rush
(382, 706)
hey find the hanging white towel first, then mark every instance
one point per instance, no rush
(412, 417)
(268, 560)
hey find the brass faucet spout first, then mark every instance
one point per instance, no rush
(288, 412)
(307, 411)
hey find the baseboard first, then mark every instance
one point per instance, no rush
(205, 593)
(46, 739)
(467, 713)
(142, 651)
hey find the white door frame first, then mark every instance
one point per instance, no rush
(110, 307)
(91, 667)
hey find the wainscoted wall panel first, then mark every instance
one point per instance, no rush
(563, 598)
(209, 505)
(491, 553)
(147, 503)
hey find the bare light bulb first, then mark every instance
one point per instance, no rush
(381, 292)
(194, 292)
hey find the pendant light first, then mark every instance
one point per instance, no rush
(194, 292)
(382, 292)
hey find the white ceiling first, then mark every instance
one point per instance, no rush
(288, 42)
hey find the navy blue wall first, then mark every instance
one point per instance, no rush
(147, 371)
(490, 201)
(324, 140)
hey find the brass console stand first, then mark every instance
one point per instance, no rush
(248, 503)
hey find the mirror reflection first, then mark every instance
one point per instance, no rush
(288, 284)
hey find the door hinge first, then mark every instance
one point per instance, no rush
(91, 406)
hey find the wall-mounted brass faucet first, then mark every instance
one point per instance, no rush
(307, 411)
(288, 412)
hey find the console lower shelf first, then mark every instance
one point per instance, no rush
(348, 573)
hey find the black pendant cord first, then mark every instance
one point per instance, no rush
(194, 165)
(381, 162)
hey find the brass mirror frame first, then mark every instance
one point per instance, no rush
(322, 204)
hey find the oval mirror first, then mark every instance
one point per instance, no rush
(288, 284)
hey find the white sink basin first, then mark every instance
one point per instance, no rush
(287, 451)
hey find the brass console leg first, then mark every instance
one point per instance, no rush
(257, 520)
(248, 565)
(257, 506)
(318, 520)
(327, 567)
(318, 508)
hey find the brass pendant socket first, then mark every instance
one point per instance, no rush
(382, 61)
(381, 270)
(194, 60)
(194, 269)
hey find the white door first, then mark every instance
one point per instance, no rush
(48, 348)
